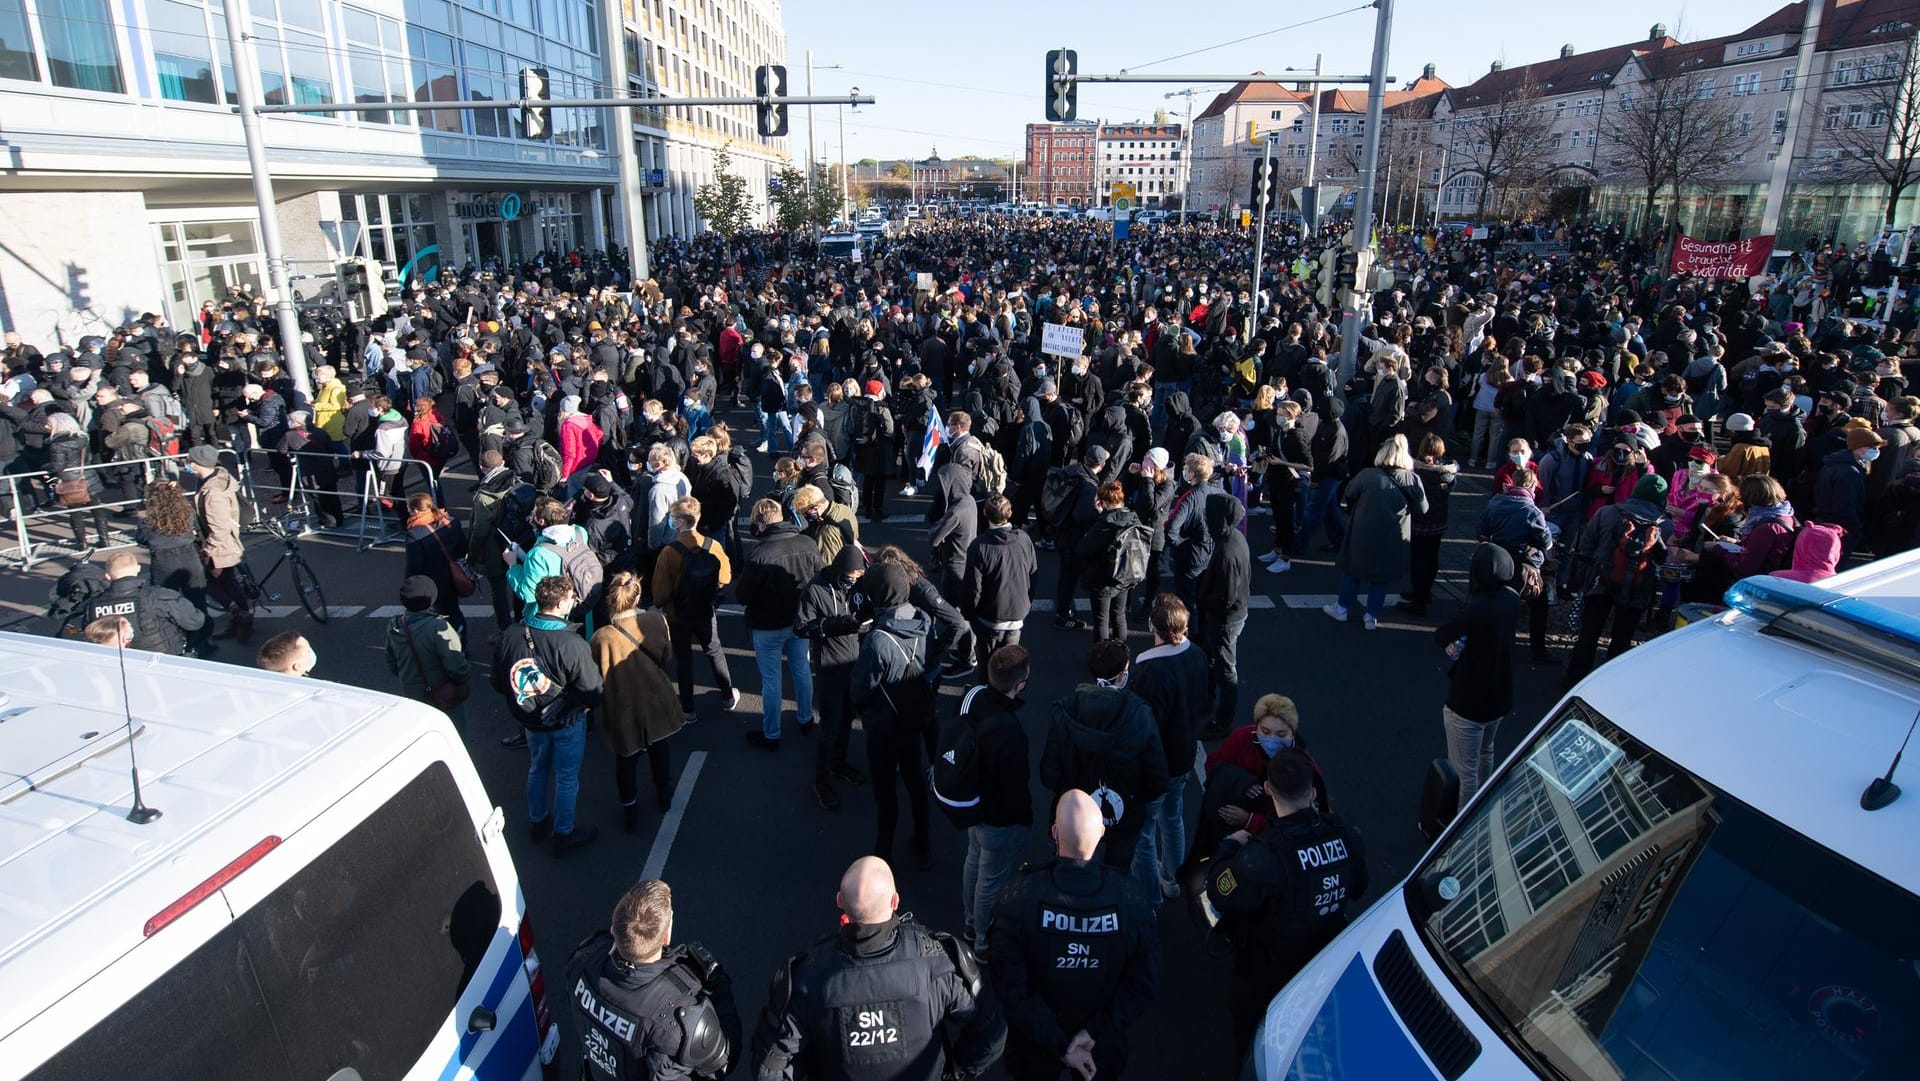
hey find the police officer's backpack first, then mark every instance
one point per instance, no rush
(67, 600)
(956, 768)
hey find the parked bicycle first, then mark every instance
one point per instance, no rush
(288, 532)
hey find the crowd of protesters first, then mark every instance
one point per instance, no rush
(728, 427)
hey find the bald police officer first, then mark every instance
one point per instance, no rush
(163, 620)
(651, 1010)
(1285, 892)
(884, 999)
(1075, 954)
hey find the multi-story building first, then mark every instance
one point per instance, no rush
(1062, 163)
(699, 48)
(1226, 140)
(937, 179)
(124, 184)
(1144, 155)
(1811, 120)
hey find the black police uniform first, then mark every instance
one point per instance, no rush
(161, 618)
(1281, 896)
(878, 1001)
(666, 1019)
(1073, 946)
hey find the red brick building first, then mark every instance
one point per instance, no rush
(1062, 164)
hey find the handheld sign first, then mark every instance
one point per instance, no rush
(923, 281)
(1061, 340)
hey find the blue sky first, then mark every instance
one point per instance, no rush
(971, 79)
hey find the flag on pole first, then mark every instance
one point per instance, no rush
(936, 435)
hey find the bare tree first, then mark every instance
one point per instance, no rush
(1876, 127)
(1504, 139)
(1670, 130)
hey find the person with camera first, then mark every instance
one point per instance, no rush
(651, 1009)
(1282, 893)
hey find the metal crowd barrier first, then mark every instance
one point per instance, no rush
(25, 488)
(376, 517)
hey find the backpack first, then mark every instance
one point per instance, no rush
(1632, 557)
(67, 600)
(583, 570)
(1126, 559)
(163, 436)
(546, 467)
(871, 423)
(1058, 493)
(845, 491)
(515, 508)
(442, 442)
(993, 472)
(1023, 325)
(956, 768)
(1073, 424)
(695, 594)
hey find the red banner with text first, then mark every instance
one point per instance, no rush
(1721, 259)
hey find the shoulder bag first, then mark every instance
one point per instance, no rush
(447, 696)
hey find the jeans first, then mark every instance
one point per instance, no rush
(1486, 425)
(557, 753)
(1222, 641)
(706, 639)
(1323, 504)
(1163, 843)
(768, 647)
(1470, 750)
(993, 854)
(1350, 595)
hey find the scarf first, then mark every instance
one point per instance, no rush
(429, 519)
(1779, 512)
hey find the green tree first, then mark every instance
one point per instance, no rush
(826, 201)
(792, 206)
(724, 203)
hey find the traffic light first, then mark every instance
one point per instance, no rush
(1329, 259)
(1346, 274)
(770, 81)
(363, 287)
(536, 121)
(1262, 192)
(1063, 93)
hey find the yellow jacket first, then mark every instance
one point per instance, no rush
(330, 409)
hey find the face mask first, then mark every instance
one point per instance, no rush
(1691, 437)
(1697, 469)
(1869, 454)
(1519, 457)
(1273, 745)
(1621, 456)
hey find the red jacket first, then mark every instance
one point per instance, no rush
(1241, 748)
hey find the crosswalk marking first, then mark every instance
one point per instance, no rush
(1321, 600)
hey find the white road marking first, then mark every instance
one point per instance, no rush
(670, 826)
(344, 611)
(274, 611)
(1321, 600)
(386, 611)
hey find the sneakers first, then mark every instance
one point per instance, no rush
(851, 774)
(1279, 566)
(909, 489)
(1370, 623)
(957, 670)
(1336, 612)
(760, 740)
(581, 837)
(823, 791)
(517, 741)
(733, 699)
(1070, 623)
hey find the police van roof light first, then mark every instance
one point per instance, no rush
(190, 899)
(1867, 632)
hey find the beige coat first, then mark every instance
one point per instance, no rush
(218, 504)
(639, 705)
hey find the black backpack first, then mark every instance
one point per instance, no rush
(546, 466)
(956, 769)
(1073, 425)
(698, 589)
(1128, 556)
(1058, 494)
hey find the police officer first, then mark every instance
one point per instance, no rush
(884, 998)
(162, 619)
(1075, 954)
(650, 1010)
(1285, 892)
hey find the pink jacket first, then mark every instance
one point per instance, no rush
(1816, 553)
(579, 443)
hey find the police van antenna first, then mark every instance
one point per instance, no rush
(141, 814)
(1881, 792)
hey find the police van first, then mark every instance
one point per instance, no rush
(299, 880)
(1697, 867)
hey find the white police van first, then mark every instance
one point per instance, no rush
(1674, 876)
(325, 895)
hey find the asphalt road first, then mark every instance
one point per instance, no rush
(754, 860)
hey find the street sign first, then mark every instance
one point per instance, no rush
(1121, 225)
(1060, 340)
(1122, 204)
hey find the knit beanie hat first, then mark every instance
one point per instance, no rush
(1862, 438)
(1651, 488)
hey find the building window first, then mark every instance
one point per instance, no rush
(1830, 121)
(1843, 73)
(182, 58)
(1706, 89)
(16, 44)
(81, 51)
(1856, 115)
(1786, 80)
(433, 76)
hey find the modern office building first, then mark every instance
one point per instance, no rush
(124, 184)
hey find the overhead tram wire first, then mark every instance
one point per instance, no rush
(1249, 37)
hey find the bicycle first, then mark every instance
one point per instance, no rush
(288, 531)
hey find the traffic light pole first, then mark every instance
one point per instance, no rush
(247, 75)
(1352, 318)
(1260, 206)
